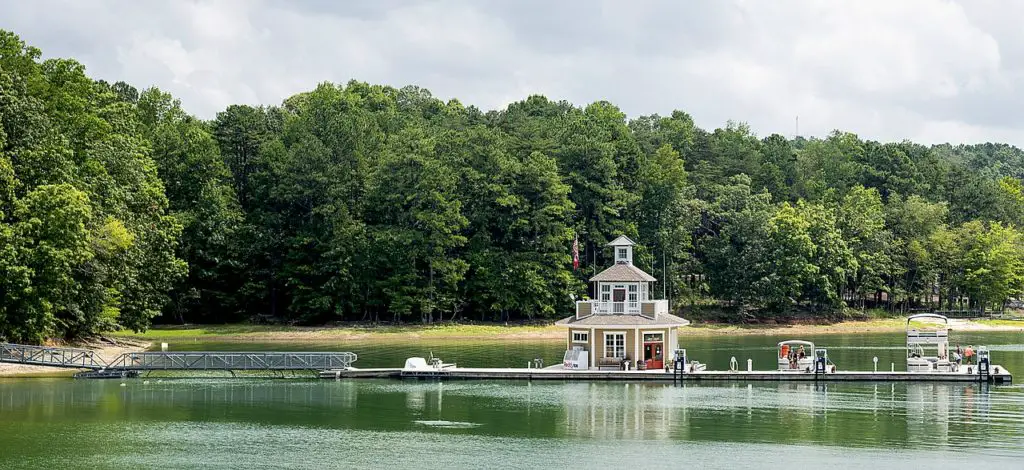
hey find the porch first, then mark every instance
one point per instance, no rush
(646, 308)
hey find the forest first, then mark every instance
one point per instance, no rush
(361, 202)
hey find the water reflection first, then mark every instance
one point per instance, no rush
(921, 415)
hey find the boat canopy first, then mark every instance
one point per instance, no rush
(923, 316)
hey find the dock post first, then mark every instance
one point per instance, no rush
(892, 367)
(750, 365)
(875, 360)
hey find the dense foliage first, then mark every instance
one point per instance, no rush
(364, 202)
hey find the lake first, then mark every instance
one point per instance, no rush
(221, 422)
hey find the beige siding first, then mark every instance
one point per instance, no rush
(583, 309)
(647, 309)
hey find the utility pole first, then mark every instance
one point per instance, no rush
(797, 134)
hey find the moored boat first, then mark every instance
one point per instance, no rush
(796, 356)
(928, 344)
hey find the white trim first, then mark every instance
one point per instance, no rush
(636, 346)
(573, 333)
(661, 332)
(593, 349)
(605, 344)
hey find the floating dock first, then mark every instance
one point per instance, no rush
(999, 375)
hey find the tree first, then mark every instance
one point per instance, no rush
(201, 198)
(861, 220)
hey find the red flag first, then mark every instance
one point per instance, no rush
(576, 253)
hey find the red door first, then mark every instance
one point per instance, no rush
(654, 355)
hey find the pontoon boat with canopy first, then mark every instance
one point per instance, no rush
(928, 345)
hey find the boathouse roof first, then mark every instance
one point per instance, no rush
(623, 272)
(662, 319)
(622, 240)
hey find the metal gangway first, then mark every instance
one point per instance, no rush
(146, 361)
(177, 361)
(48, 356)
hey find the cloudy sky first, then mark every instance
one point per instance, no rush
(926, 70)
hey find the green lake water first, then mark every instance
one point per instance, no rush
(221, 422)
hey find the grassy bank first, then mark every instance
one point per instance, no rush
(270, 333)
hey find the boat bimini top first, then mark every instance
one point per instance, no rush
(794, 344)
(921, 334)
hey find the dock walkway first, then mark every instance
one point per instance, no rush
(1003, 376)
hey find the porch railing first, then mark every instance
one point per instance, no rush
(647, 308)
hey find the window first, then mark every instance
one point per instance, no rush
(580, 336)
(615, 345)
(653, 337)
(606, 293)
(622, 255)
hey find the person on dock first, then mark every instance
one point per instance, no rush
(969, 354)
(958, 356)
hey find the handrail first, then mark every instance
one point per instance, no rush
(194, 360)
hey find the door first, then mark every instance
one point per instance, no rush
(654, 350)
(618, 301)
(654, 355)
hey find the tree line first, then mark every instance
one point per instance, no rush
(372, 203)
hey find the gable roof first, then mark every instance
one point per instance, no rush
(624, 320)
(623, 272)
(621, 241)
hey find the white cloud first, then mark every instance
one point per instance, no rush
(930, 70)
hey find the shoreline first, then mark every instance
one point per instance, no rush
(271, 333)
(127, 341)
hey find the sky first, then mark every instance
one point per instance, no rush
(930, 71)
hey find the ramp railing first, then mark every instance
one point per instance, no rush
(142, 361)
(48, 356)
(233, 361)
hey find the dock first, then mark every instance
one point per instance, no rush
(999, 375)
(338, 366)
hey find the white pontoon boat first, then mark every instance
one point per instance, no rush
(928, 344)
(796, 356)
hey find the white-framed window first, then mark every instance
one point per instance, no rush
(580, 337)
(622, 255)
(653, 337)
(615, 345)
(606, 293)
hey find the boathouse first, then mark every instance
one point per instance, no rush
(623, 324)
